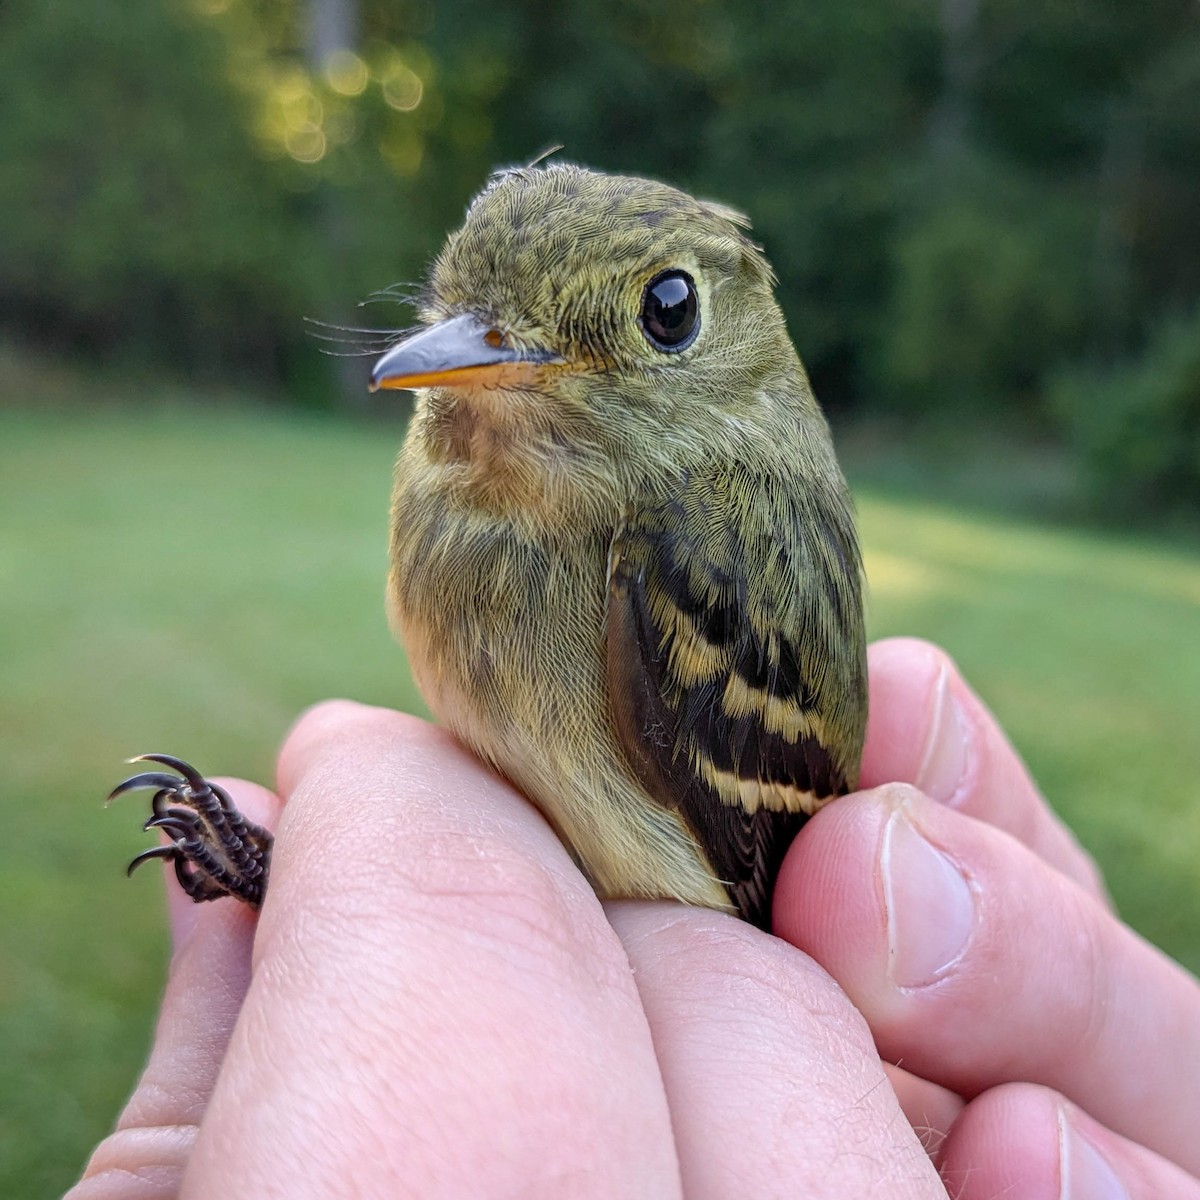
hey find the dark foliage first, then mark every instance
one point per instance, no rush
(963, 200)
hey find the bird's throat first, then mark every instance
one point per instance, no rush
(504, 449)
(482, 427)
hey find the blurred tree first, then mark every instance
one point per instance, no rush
(987, 290)
(133, 216)
(332, 43)
(961, 67)
(1137, 425)
(819, 110)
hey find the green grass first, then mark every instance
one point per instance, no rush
(189, 578)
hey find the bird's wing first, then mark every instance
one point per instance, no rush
(736, 664)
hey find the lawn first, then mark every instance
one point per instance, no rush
(188, 578)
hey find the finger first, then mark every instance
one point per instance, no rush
(1027, 1141)
(438, 999)
(927, 728)
(976, 964)
(931, 1110)
(774, 1084)
(144, 1158)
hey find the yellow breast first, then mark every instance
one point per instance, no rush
(505, 638)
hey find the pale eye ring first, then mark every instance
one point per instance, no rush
(670, 316)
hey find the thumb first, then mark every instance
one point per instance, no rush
(145, 1157)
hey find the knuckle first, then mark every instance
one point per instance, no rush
(137, 1161)
(1089, 876)
(515, 902)
(741, 968)
(323, 717)
(1087, 999)
(337, 721)
(346, 718)
(432, 880)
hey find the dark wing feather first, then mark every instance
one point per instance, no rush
(737, 681)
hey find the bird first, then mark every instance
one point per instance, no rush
(623, 557)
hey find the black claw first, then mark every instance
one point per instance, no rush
(149, 779)
(154, 852)
(172, 826)
(158, 805)
(194, 778)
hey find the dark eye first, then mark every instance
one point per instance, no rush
(671, 311)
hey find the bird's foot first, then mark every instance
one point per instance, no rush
(215, 850)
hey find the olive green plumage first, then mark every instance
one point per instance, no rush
(624, 566)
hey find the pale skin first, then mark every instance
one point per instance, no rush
(435, 1004)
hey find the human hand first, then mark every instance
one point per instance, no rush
(436, 1004)
(435, 969)
(986, 958)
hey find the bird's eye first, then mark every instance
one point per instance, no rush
(671, 311)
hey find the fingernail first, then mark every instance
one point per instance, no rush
(1084, 1173)
(944, 762)
(930, 906)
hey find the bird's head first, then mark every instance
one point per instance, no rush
(595, 327)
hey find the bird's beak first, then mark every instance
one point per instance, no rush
(460, 352)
